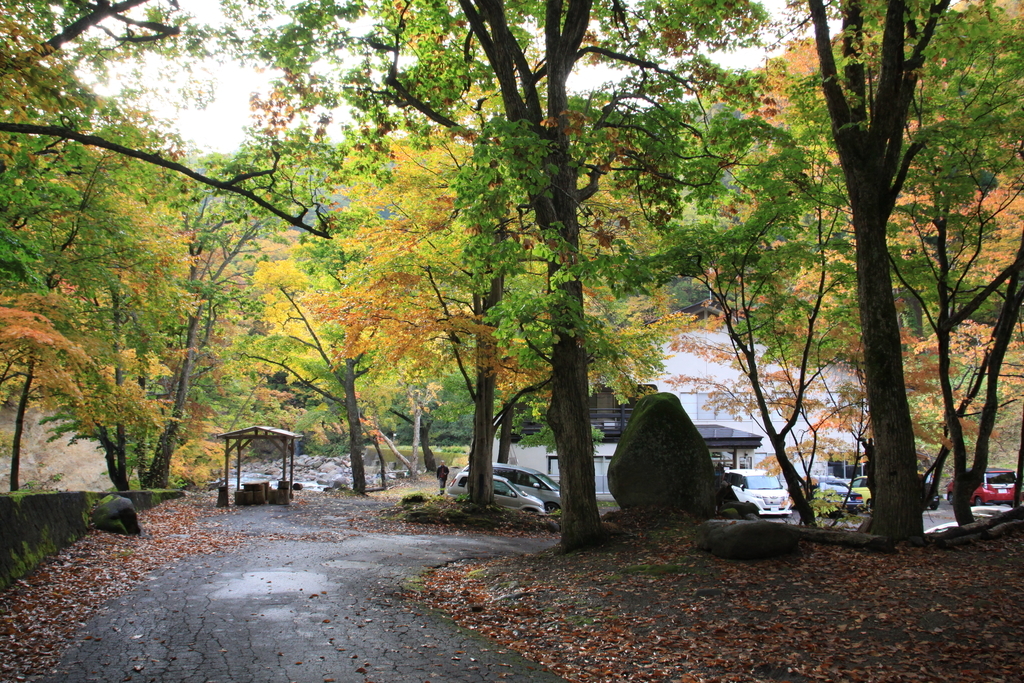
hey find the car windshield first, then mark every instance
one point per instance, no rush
(763, 482)
(502, 489)
(551, 483)
(1000, 478)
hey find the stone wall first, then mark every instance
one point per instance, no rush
(34, 525)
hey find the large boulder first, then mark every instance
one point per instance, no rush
(747, 540)
(117, 515)
(662, 460)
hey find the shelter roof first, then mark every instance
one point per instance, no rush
(257, 432)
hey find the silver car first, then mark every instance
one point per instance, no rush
(505, 494)
(530, 482)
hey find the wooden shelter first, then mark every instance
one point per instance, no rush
(286, 442)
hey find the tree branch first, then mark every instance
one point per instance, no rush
(297, 220)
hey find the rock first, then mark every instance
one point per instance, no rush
(116, 514)
(747, 540)
(661, 460)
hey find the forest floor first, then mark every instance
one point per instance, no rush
(650, 606)
(646, 606)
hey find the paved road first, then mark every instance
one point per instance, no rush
(295, 609)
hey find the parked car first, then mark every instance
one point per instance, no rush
(760, 488)
(533, 483)
(530, 482)
(997, 487)
(505, 494)
(860, 485)
(851, 499)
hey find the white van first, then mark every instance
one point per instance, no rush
(760, 488)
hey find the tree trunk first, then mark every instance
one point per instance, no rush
(417, 417)
(429, 463)
(895, 496)
(19, 426)
(794, 484)
(1020, 461)
(569, 411)
(355, 428)
(868, 96)
(114, 450)
(505, 438)
(481, 468)
(428, 455)
(114, 453)
(569, 418)
(158, 473)
(383, 466)
(481, 451)
(394, 450)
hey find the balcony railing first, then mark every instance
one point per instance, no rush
(611, 422)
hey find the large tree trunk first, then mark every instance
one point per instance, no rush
(569, 418)
(868, 95)
(19, 426)
(355, 427)
(569, 411)
(481, 467)
(895, 496)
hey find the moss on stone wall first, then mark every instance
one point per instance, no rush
(34, 525)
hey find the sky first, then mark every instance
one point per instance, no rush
(219, 126)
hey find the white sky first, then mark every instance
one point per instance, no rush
(219, 126)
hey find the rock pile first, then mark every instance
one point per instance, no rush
(315, 473)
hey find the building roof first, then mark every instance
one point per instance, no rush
(717, 436)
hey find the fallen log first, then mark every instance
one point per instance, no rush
(850, 539)
(982, 529)
(1002, 529)
(958, 540)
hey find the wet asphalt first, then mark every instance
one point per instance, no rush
(296, 604)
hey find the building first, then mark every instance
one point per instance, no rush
(736, 441)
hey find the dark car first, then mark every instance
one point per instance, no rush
(997, 488)
(840, 491)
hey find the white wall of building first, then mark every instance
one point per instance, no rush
(694, 401)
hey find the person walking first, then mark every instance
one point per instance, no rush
(442, 475)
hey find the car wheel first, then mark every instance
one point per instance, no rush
(949, 496)
(935, 504)
(978, 501)
(551, 507)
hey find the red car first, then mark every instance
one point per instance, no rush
(997, 488)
